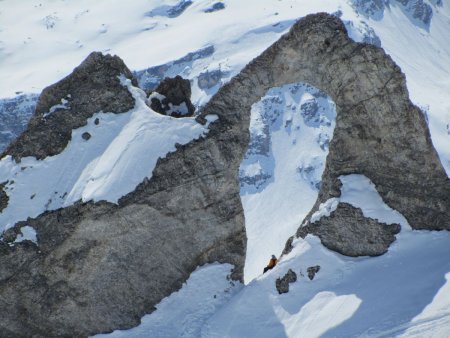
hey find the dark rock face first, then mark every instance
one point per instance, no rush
(282, 284)
(312, 270)
(348, 232)
(3, 197)
(174, 98)
(100, 266)
(92, 87)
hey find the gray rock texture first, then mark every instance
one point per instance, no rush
(282, 284)
(50, 128)
(348, 232)
(101, 266)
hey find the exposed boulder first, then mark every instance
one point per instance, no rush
(312, 270)
(172, 97)
(282, 284)
(66, 105)
(86, 136)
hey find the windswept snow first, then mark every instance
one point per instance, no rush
(121, 153)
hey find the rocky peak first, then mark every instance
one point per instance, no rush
(93, 86)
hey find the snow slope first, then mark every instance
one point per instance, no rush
(405, 292)
(402, 293)
(121, 153)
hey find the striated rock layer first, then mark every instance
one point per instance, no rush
(99, 267)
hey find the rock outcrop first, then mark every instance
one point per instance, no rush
(348, 232)
(172, 97)
(312, 270)
(92, 87)
(282, 284)
(101, 266)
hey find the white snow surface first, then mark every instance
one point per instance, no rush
(27, 233)
(121, 153)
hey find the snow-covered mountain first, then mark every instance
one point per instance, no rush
(405, 292)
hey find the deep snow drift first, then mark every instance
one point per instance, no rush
(405, 292)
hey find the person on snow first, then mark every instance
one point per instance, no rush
(273, 261)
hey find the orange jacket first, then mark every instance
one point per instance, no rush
(272, 263)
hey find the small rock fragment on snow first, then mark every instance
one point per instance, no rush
(282, 284)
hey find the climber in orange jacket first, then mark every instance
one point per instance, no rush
(273, 261)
